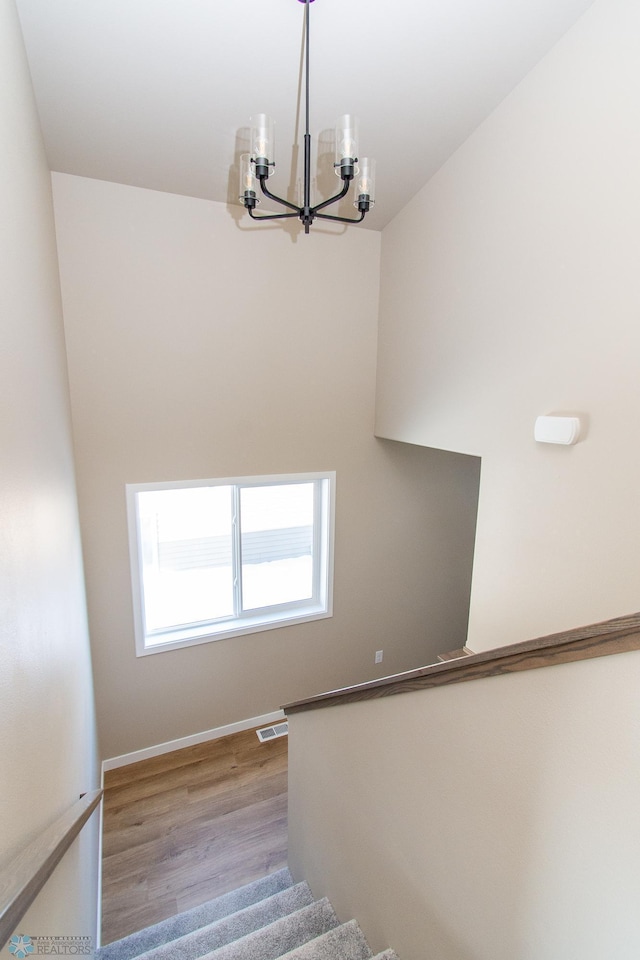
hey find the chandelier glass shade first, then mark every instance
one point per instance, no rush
(257, 166)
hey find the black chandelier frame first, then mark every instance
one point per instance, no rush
(306, 213)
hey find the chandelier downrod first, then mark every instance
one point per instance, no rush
(255, 167)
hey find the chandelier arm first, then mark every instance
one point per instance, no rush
(272, 196)
(338, 196)
(270, 216)
(306, 213)
(327, 216)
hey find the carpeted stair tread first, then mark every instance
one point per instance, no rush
(345, 942)
(270, 919)
(209, 938)
(281, 936)
(170, 929)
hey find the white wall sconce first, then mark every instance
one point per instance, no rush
(565, 430)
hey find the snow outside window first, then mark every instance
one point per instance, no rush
(218, 558)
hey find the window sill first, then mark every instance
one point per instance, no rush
(174, 639)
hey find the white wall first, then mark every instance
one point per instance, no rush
(510, 289)
(201, 347)
(491, 820)
(496, 820)
(47, 728)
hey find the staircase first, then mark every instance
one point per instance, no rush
(270, 919)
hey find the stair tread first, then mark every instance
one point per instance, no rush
(345, 942)
(453, 655)
(173, 927)
(255, 917)
(281, 936)
(270, 919)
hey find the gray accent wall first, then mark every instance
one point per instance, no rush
(199, 347)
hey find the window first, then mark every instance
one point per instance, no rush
(219, 558)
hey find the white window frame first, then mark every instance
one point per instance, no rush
(319, 607)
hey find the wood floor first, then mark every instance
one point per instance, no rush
(187, 826)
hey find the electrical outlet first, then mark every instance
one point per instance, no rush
(378, 656)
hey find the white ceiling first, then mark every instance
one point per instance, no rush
(158, 93)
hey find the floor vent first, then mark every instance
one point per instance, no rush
(270, 733)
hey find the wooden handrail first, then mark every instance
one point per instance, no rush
(24, 877)
(597, 640)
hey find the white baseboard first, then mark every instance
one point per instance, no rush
(266, 720)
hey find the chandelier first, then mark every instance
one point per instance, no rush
(256, 167)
